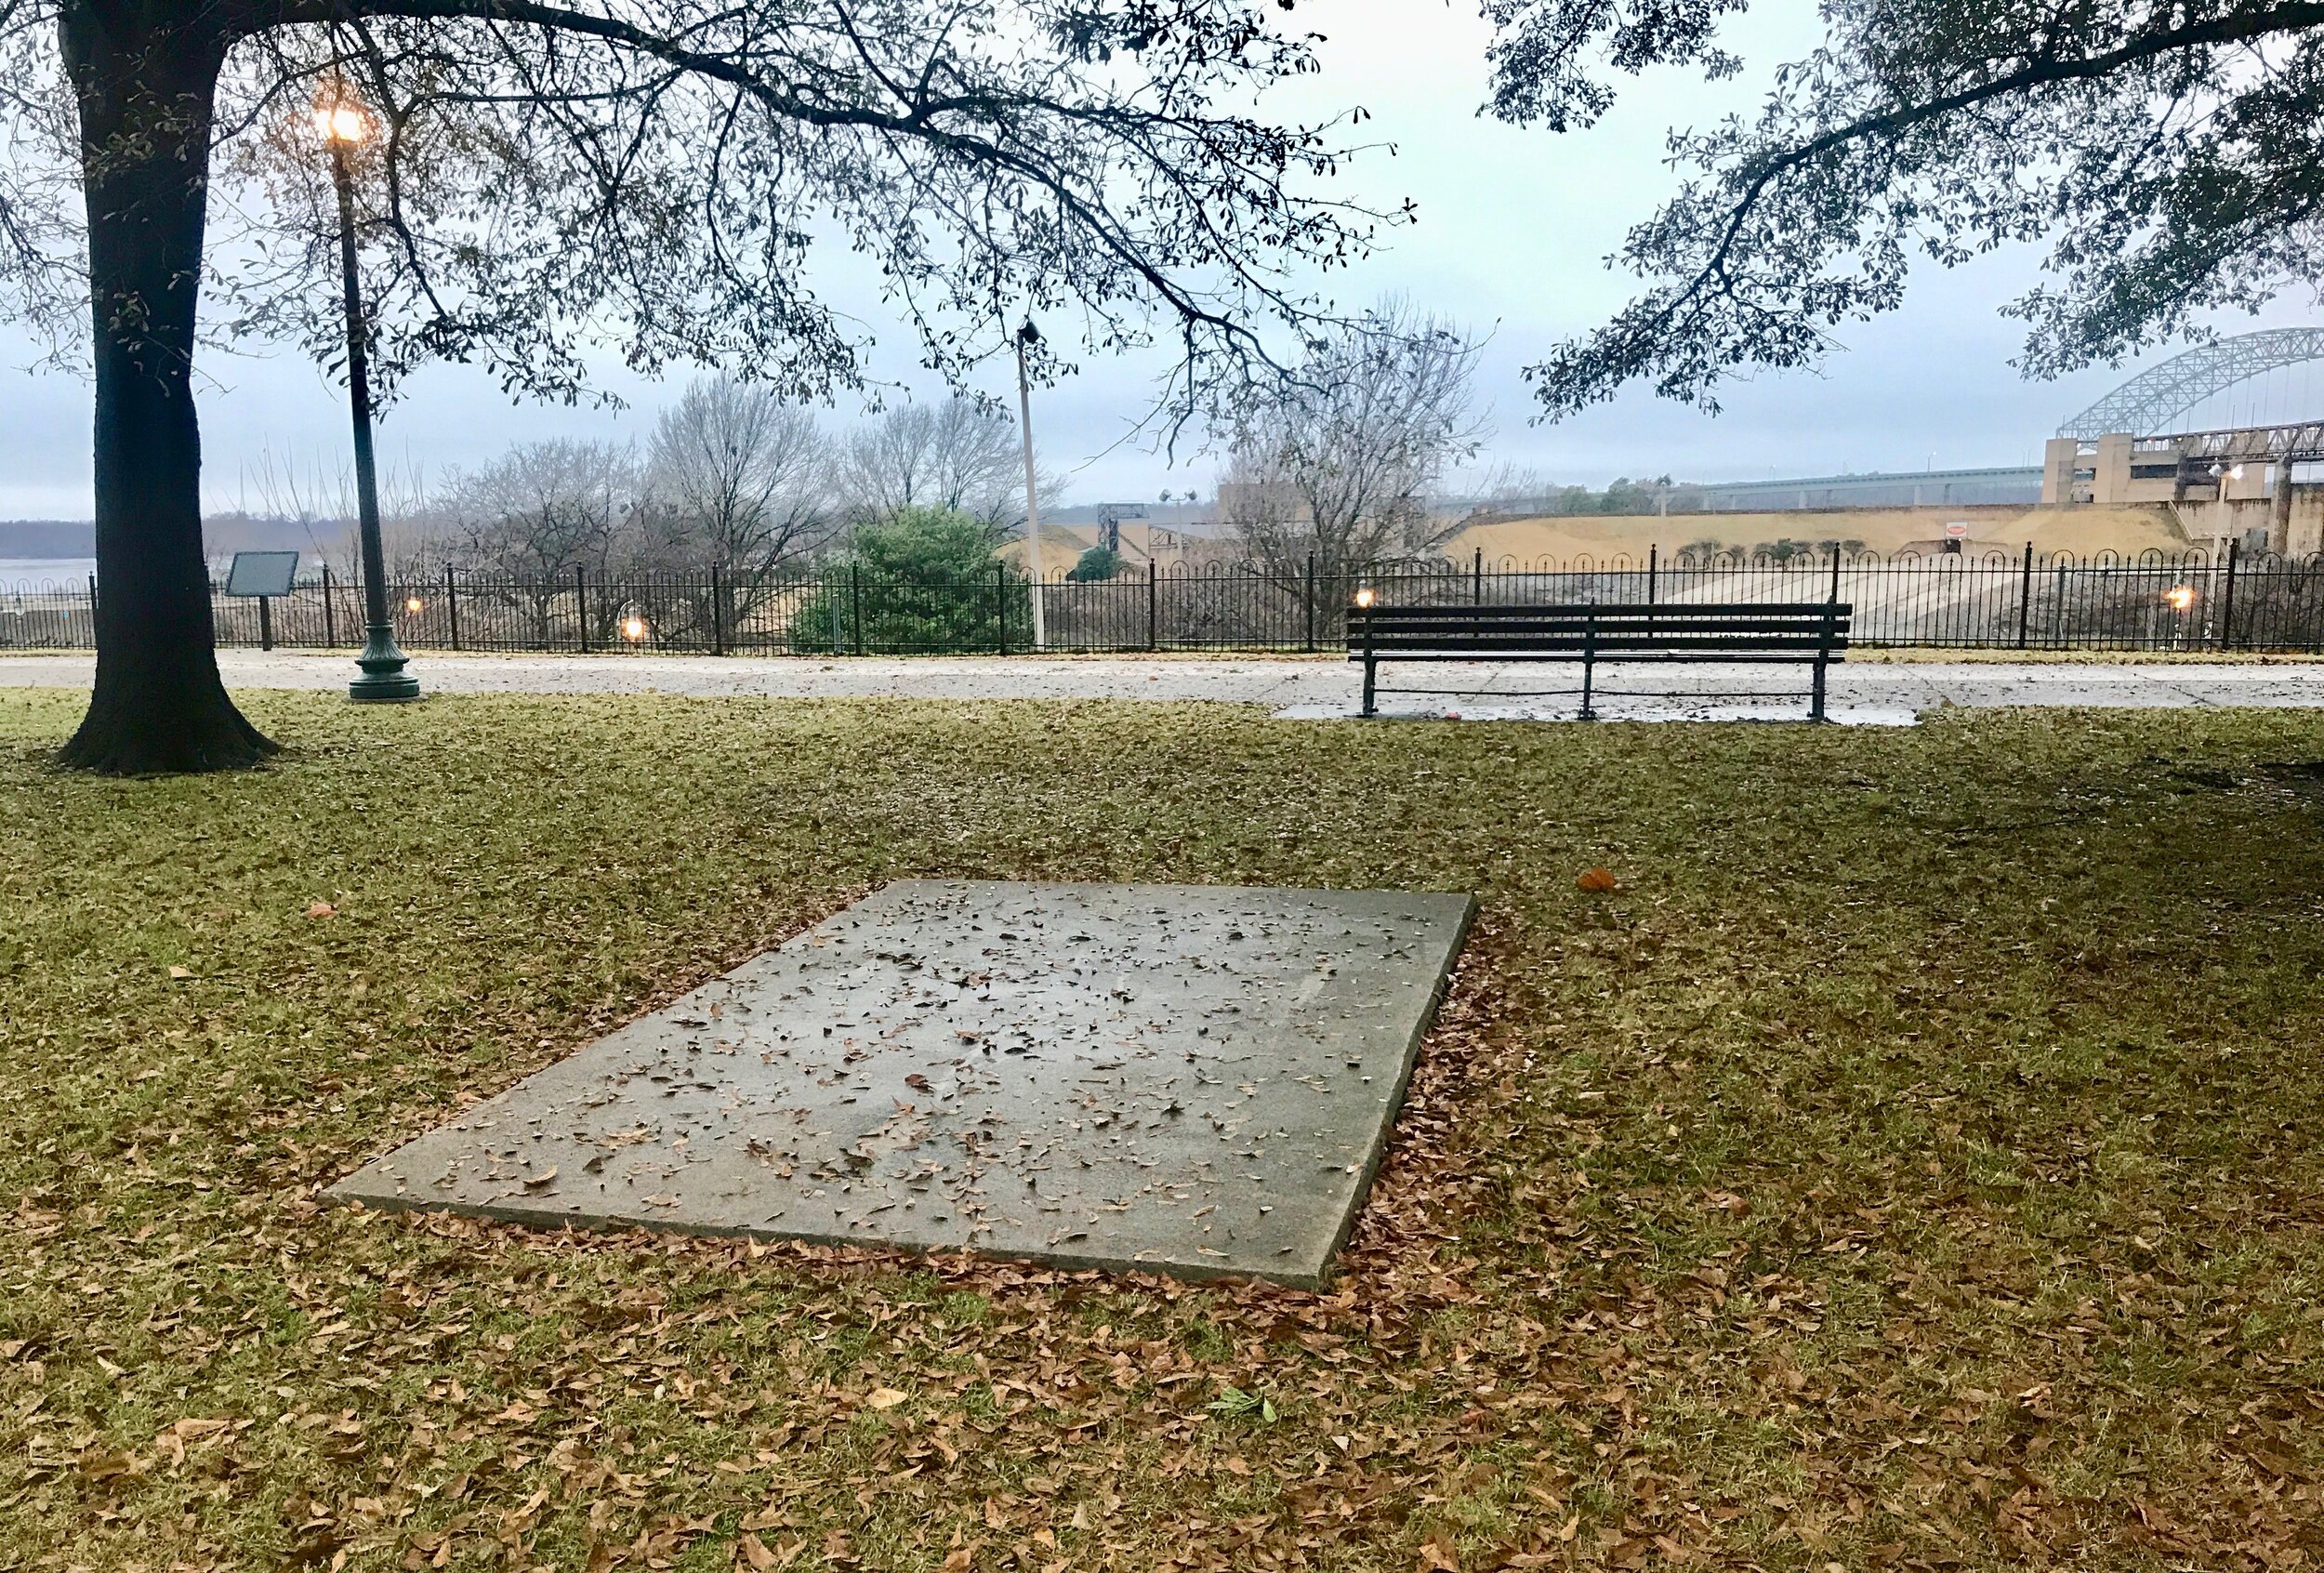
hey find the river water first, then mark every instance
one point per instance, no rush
(46, 573)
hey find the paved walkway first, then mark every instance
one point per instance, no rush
(1863, 692)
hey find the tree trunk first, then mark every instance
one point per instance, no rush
(146, 73)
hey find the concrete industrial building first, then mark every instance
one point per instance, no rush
(2252, 487)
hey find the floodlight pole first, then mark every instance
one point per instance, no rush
(1029, 335)
(384, 680)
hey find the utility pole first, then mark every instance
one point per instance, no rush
(1029, 335)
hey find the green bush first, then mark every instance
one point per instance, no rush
(1098, 562)
(928, 580)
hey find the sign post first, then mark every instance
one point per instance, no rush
(262, 575)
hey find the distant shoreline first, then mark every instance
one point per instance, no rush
(66, 572)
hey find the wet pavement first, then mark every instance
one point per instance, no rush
(1861, 691)
(1197, 1080)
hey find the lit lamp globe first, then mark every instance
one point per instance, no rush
(342, 123)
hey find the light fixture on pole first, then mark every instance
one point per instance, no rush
(345, 127)
(1026, 336)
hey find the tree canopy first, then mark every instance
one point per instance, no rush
(546, 178)
(2166, 153)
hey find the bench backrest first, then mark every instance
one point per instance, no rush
(1774, 628)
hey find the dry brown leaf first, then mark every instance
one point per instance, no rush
(884, 1398)
(322, 909)
(180, 973)
(1599, 879)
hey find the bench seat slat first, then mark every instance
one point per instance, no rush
(1514, 633)
(1498, 648)
(1613, 642)
(1453, 658)
(1607, 609)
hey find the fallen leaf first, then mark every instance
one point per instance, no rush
(1598, 879)
(97, 1465)
(535, 1182)
(180, 973)
(884, 1398)
(322, 909)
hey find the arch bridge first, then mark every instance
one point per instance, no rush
(2151, 401)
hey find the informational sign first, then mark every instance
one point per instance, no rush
(1957, 530)
(262, 572)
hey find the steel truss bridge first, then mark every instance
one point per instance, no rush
(2159, 394)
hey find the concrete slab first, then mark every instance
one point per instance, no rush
(1198, 1080)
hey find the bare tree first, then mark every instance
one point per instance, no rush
(543, 511)
(738, 479)
(546, 176)
(418, 537)
(1337, 464)
(957, 455)
(1504, 489)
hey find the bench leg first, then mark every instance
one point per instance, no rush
(1816, 706)
(1588, 677)
(1369, 709)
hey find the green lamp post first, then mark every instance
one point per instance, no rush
(384, 680)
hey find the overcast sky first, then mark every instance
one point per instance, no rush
(1514, 226)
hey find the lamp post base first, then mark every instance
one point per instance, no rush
(384, 680)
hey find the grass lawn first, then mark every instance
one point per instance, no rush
(1917, 1161)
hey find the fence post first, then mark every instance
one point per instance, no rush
(1653, 565)
(266, 622)
(855, 603)
(1154, 621)
(2025, 596)
(92, 609)
(1476, 579)
(330, 629)
(1000, 605)
(717, 611)
(2228, 599)
(1311, 604)
(581, 605)
(1834, 597)
(452, 604)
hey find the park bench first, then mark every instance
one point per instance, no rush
(1806, 633)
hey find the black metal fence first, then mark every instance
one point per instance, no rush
(2026, 601)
